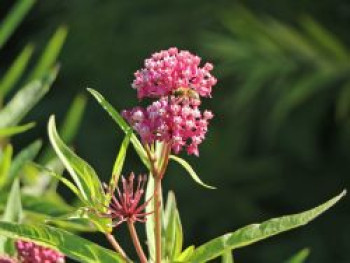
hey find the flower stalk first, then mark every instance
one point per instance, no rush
(136, 242)
(116, 246)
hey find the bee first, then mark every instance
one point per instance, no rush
(183, 92)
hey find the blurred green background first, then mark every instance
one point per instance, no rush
(280, 140)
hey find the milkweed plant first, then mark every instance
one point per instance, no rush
(37, 225)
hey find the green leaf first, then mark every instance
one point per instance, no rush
(50, 54)
(122, 124)
(13, 19)
(25, 99)
(5, 164)
(149, 225)
(83, 175)
(185, 255)
(190, 171)
(13, 213)
(256, 232)
(227, 257)
(69, 244)
(22, 158)
(173, 229)
(10, 131)
(300, 257)
(70, 125)
(16, 70)
(118, 165)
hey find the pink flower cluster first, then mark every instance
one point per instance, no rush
(29, 252)
(6, 259)
(171, 119)
(170, 69)
(176, 81)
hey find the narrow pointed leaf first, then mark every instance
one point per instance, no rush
(69, 244)
(10, 131)
(16, 70)
(149, 225)
(300, 257)
(227, 257)
(5, 164)
(122, 124)
(83, 175)
(118, 165)
(25, 99)
(190, 171)
(256, 232)
(13, 213)
(22, 158)
(49, 56)
(13, 19)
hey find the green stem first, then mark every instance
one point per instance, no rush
(157, 219)
(116, 246)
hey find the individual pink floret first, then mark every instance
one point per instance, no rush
(29, 252)
(172, 119)
(168, 70)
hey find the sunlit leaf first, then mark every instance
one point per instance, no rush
(15, 71)
(256, 232)
(227, 257)
(25, 99)
(83, 175)
(5, 164)
(190, 171)
(10, 131)
(13, 19)
(69, 244)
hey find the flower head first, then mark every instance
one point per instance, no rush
(175, 120)
(127, 206)
(29, 252)
(168, 70)
(7, 259)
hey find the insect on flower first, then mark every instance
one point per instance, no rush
(184, 92)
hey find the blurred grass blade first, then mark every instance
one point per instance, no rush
(70, 126)
(25, 99)
(190, 171)
(10, 131)
(227, 257)
(253, 233)
(13, 213)
(16, 70)
(69, 244)
(5, 164)
(83, 175)
(13, 19)
(118, 165)
(300, 257)
(22, 158)
(122, 124)
(49, 56)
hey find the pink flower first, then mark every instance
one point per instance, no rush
(6, 259)
(168, 70)
(29, 252)
(127, 206)
(176, 120)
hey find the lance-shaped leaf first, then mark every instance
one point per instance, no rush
(49, 56)
(122, 124)
(256, 232)
(14, 73)
(118, 165)
(5, 164)
(190, 171)
(25, 99)
(13, 19)
(83, 175)
(149, 225)
(22, 158)
(13, 213)
(10, 131)
(299, 257)
(227, 257)
(69, 244)
(173, 229)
